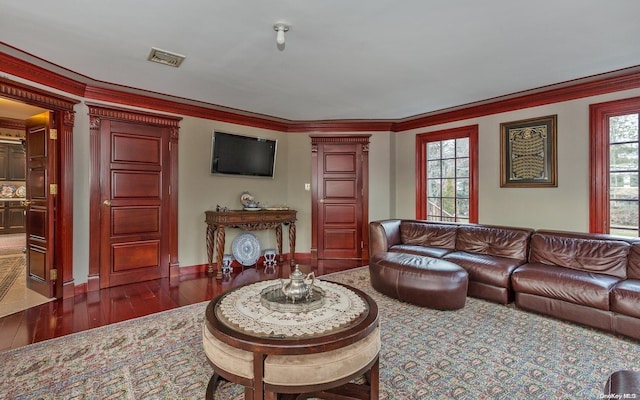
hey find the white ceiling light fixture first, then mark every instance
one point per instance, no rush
(280, 29)
(165, 57)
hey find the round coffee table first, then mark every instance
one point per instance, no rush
(313, 353)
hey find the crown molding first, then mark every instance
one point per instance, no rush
(122, 114)
(10, 123)
(44, 76)
(628, 78)
(341, 126)
(21, 92)
(31, 68)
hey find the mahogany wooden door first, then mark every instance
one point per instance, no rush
(340, 199)
(134, 190)
(40, 204)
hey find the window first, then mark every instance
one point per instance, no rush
(447, 175)
(614, 198)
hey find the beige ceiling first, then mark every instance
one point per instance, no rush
(373, 59)
(15, 110)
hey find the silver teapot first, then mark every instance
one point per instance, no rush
(297, 289)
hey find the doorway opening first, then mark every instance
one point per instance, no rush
(53, 221)
(15, 295)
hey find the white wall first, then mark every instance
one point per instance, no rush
(565, 207)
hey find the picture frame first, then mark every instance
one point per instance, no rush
(528, 154)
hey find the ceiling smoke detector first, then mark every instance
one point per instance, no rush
(165, 57)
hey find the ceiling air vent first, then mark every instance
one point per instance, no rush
(165, 57)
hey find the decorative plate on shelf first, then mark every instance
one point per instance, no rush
(246, 198)
(246, 248)
(7, 191)
(21, 191)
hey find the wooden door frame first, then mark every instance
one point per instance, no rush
(64, 116)
(339, 139)
(98, 112)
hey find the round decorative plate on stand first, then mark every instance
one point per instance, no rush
(246, 248)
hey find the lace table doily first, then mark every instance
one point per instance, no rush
(243, 310)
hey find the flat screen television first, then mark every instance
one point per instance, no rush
(233, 154)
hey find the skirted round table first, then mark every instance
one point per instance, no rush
(296, 354)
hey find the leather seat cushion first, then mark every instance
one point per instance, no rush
(320, 368)
(236, 361)
(625, 298)
(484, 268)
(578, 287)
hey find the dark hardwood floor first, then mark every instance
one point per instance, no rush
(108, 306)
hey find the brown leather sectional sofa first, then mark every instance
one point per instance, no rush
(591, 279)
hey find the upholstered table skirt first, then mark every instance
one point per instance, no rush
(296, 370)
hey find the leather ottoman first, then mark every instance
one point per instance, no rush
(623, 384)
(420, 280)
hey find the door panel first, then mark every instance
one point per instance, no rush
(334, 188)
(136, 255)
(130, 184)
(40, 203)
(343, 162)
(128, 148)
(134, 190)
(135, 220)
(339, 241)
(340, 214)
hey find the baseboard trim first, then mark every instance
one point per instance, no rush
(93, 284)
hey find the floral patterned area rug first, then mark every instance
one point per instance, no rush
(483, 351)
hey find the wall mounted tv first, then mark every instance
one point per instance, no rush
(233, 154)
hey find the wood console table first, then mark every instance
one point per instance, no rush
(250, 221)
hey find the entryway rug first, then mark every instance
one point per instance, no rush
(483, 351)
(10, 269)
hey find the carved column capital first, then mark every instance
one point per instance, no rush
(94, 122)
(68, 118)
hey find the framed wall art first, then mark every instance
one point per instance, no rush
(528, 156)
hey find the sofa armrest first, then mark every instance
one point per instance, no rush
(383, 235)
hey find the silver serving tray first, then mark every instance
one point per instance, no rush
(274, 299)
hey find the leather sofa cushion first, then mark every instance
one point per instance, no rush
(633, 269)
(578, 287)
(436, 252)
(423, 233)
(580, 252)
(625, 298)
(494, 241)
(483, 268)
